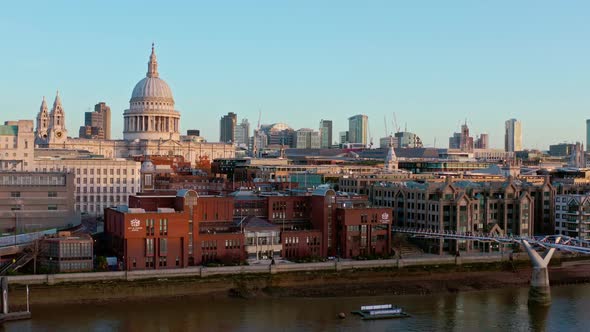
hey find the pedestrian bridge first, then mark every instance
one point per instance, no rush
(560, 242)
(539, 292)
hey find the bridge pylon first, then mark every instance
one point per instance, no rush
(539, 292)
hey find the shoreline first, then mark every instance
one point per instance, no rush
(421, 280)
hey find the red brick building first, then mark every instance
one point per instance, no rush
(159, 231)
(363, 231)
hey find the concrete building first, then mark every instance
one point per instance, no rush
(33, 201)
(242, 133)
(513, 136)
(407, 140)
(65, 252)
(306, 138)
(227, 126)
(358, 129)
(151, 127)
(99, 182)
(17, 143)
(326, 134)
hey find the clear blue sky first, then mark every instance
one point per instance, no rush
(433, 63)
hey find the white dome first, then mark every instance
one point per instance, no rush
(151, 87)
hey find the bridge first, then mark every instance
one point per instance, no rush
(539, 292)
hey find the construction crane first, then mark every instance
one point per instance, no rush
(385, 123)
(254, 139)
(395, 125)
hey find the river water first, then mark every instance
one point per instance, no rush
(493, 310)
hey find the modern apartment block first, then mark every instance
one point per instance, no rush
(572, 216)
(499, 207)
(17, 143)
(99, 182)
(32, 201)
(513, 136)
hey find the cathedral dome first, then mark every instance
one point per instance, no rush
(151, 87)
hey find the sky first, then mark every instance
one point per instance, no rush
(434, 64)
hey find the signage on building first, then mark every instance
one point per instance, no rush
(385, 218)
(135, 225)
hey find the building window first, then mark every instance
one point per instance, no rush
(52, 194)
(149, 247)
(149, 227)
(15, 194)
(163, 247)
(163, 226)
(163, 261)
(52, 207)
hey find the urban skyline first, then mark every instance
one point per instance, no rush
(506, 72)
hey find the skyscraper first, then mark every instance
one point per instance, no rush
(358, 129)
(97, 124)
(326, 133)
(513, 137)
(242, 132)
(227, 125)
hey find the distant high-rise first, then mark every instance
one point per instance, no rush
(326, 133)
(242, 132)
(306, 138)
(343, 137)
(97, 124)
(483, 142)
(227, 125)
(462, 140)
(193, 132)
(588, 135)
(358, 129)
(513, 136)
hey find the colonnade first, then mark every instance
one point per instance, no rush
(151, 123)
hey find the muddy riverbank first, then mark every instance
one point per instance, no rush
(414, 280)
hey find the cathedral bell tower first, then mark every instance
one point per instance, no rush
(41, 133)
(57, 132)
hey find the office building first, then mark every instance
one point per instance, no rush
(407, 140)
(306, 139)
(343, 137)
(242, 133)
(513, 136)
(33, 201)
(326, 134)
(97, 124)
(482, 142)
(17, 144)
(99, 182)
(572, 214)
(358, 129)
(227, 126)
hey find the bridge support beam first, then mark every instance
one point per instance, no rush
(539, 292)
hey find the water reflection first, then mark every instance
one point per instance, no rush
(502, 310)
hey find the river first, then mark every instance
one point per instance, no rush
(492, 310)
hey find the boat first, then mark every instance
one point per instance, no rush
(380, 311)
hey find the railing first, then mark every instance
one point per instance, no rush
(561, 242)
(12, 240)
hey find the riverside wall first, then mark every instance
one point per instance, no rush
(203, 272)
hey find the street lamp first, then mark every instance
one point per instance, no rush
(18, 204)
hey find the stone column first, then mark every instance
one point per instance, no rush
(539, 292)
